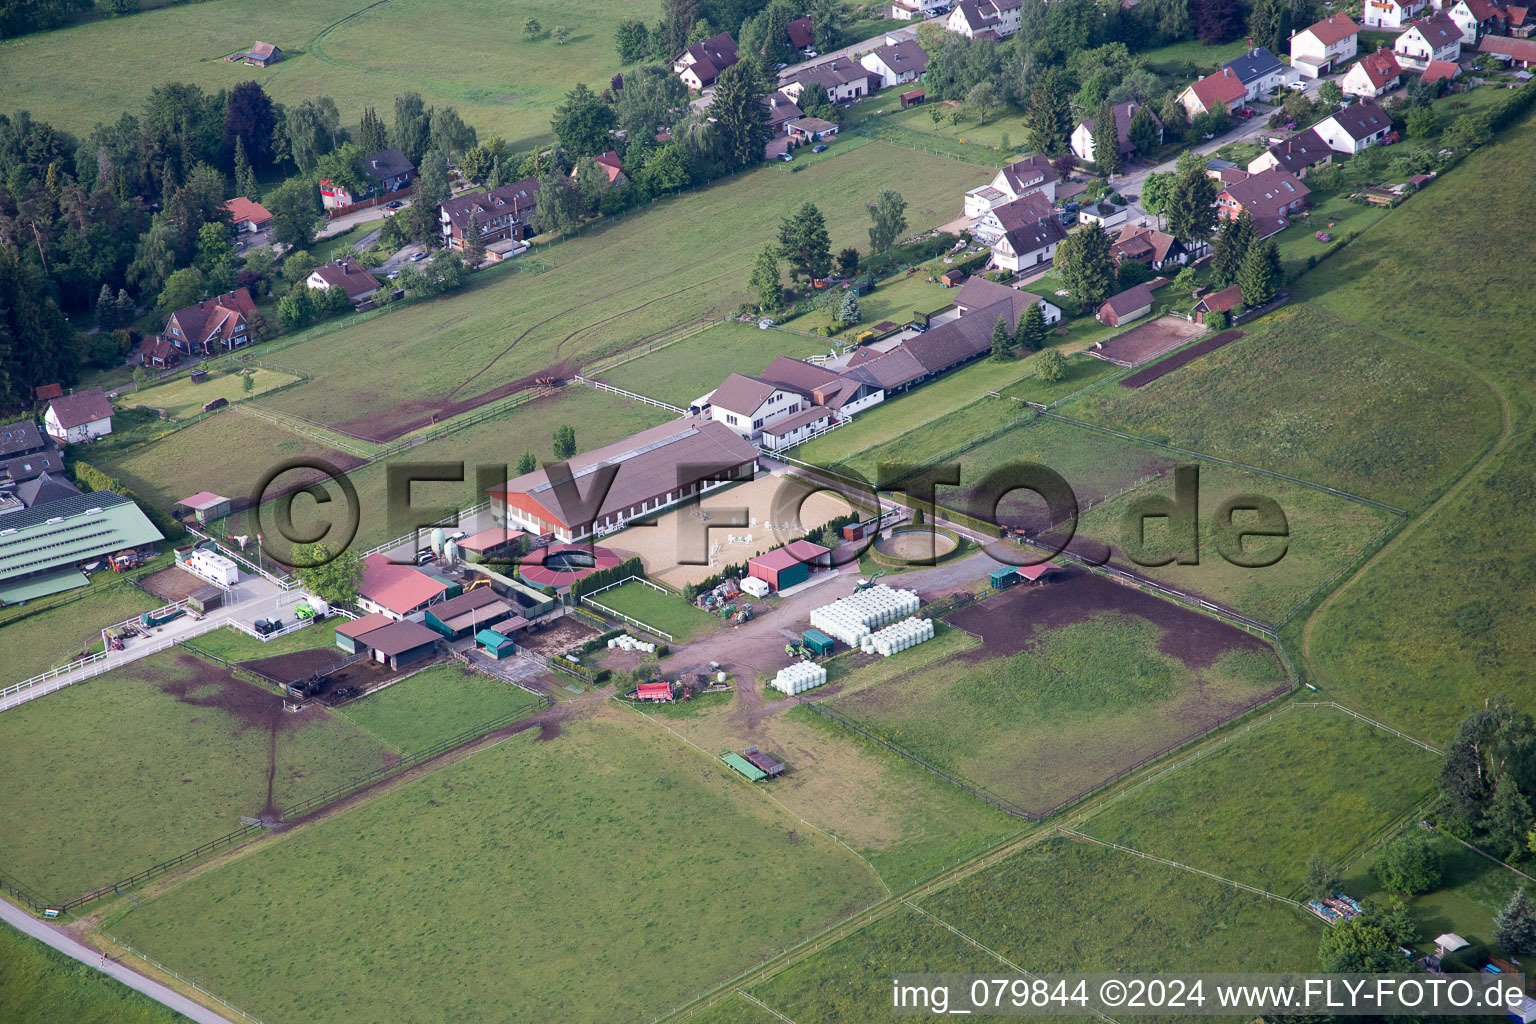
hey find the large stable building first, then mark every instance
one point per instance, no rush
(42, 548)
(645, 473)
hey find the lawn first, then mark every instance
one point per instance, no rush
(895, 299)
(1057, 907)
(1169, 60)
(151, 760)
(476, 886)
(227, 454)
(39, 985)
(1326, 533)
(597, 416)
(1442, 620)
(58, 635)
(1333, 215)
(664, 611)
(965, 139)
(1315, 397)
(610, 288)
(181, 398)
(1075, 682)
(434, 705)
(695, 366)
(1081, 371)
(1312, 780)
(501, 83)
(232, 645)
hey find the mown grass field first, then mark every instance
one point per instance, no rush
(1326, 533)
(232, 645)
(476, 885)
(1312, 780)
(57, 636)
(1073, 705)
(1057, 907)
(695, 366)
(151, 760)
(357, 53)
(181, 398)
(667, 612)
(614, 285)
(434, 705)
(39, 985)
(1318, 398)
(1441, 620)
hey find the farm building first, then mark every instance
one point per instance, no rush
(82, 416)
(493, 544)
(42, 548)
(654, 693)
(495, 644)
(913, 98)
(348, 633)
(206, 506)
(460, 616)
(1128, 305)
(641, 474)
(792, 430)
(397, 591)
(205, 599)
(1037, 573)
(262, 55)
(789, 565)
(398, 644)
(1223, 301)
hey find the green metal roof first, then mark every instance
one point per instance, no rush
(744, 766)
(33, 587)
(63, 533)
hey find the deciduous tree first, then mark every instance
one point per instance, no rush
(632, 41)
(583, 123)
(805, 244)
(295, 209)
(1322, 878)
(765, 279)
(565, 442)
(889, 214)
(1408, 864)
(1050, 366)
(331, 576)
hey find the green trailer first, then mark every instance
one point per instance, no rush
(1003, 578)
(818, 642)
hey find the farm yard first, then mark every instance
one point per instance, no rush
(778, 510)
(57, 635)
(1071, 683)
(495, 824)
(179, 750)
(500, 82)
(613, 286)
(1326, 533)
(1322, 399)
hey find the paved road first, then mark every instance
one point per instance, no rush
(348, 221)
(29, 925)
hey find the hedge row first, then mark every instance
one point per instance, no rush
(603, 577)
(89, 478)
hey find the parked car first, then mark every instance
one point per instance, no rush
(819, 149)
(765, 323)
(780, 67)
(810, 52)
(1244, 112)
(393, 274)
(423, 556)
(417, 257)
(393, 204)
(787, 157)
(1297, 86)
(918, 326)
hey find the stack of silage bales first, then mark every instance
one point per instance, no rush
(799, 677)
(898, 637)
(850, 619)
(625, 642)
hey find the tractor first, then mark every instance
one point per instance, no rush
(864, 584)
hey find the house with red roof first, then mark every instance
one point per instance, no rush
(81, 416)
(1223, 301)
(218, 323)
(700, 64)
(1223, 90)
(1514, 52)
(1326, 46)
(397, 591)
(1374, 75)
(1433, 38)
(247, 215)
(1475, 18)
(1437, 70)
(1270, 196)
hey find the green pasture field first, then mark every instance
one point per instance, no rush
(1021, 726)
(1082, 371)
(232, 645)
(1315, 397)
(1312, 780)
(1166, 60)
(667, 612)
(669, 856)
(227, 454)
(1056, 907)
(434, 705)
(181, 398)
(684, 370)
(1333, 215)
(1441, 620)
(58, 635)
(39, 985)
(1326, 533)
(358, 54)
(968, 140)
(124, 773)
(614, 285)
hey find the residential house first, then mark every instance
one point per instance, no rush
(799, 32)
(1123, 307)
(1390, 13)
(781, 111)
(397, 591)
(26, 454)
(978, 294)
(1323, 48)
(1156, 249)
(262, 55)
(915, 10)
(390, 169)
(1433, 38)
(843, 395)
(1518, 21)
(701, 63)
(504, 213)
(82, 416)
(843, 79)
(896, 63)
(1514, 52)
(1436, 70)
(1105, 215)
(1220, 91)
(748, 404)
(1224, 301)
(212, 324)
(1260, 71)
(1021, 234)
(249, 217)
(1028, 176)
(985, 19)
(1376, 74)
(156, 353)
(611, 166)
(1475, 18)
(1082, 135)
(810, 129)
(1297, 154)
(1355, 127)
(348, 275)
(1270, 196)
